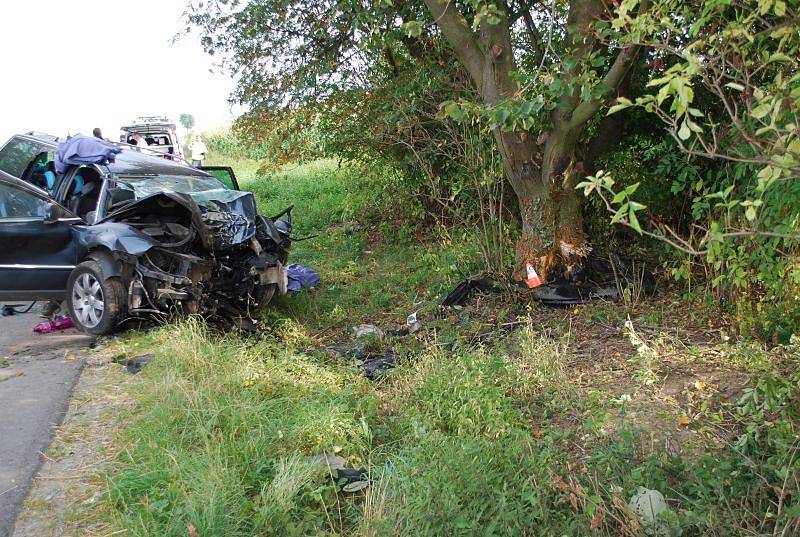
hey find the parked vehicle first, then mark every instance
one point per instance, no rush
(142, 235)
(160, 133)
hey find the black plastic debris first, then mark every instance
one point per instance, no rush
(375, 366)
(11, 309)
(601, 278)
(349, 478)
(461, 292)
(373, 363)
(569, 294)
(137, 363)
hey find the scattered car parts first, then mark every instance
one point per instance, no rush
(603, 278)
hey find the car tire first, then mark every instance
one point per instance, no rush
(95, 300)
(263, 295)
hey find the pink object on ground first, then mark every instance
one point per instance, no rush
(46, 327)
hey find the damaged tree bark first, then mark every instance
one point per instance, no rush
(542, 171)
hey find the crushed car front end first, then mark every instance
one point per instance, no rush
(178, 244)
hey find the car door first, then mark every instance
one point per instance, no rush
(224, 174)
(37, 254)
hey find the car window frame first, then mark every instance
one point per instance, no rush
(66, 180)
(15, 182)
(41, 146)
(229, 169)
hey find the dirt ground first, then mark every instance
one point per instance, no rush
(654, 366)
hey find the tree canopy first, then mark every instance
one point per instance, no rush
(700, 96)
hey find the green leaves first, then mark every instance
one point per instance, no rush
(412, 28)
(509, 115)
(500, 115)
(623, 207)
(485, 12)
(684, 132)
(761, 110)
(453, 110)
(622, 104)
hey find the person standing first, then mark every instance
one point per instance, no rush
(199, 150)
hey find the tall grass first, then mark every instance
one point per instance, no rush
(460, 439)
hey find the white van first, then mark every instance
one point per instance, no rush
(159, 131)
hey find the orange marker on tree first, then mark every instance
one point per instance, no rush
(533, 278)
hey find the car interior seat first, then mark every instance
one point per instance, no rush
(85, 192)
(34, 173)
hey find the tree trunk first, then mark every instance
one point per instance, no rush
(552, 241)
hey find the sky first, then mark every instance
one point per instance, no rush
(71, 65)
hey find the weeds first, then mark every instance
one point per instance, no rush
(489, 437)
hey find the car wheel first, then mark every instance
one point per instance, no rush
(96, 302)
(263, 294)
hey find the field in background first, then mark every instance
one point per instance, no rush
(503, 418)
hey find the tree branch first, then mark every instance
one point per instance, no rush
(585, 110)
(459, 35)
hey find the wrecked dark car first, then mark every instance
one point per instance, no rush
(141, 235)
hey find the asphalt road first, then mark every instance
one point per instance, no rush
(37, 374)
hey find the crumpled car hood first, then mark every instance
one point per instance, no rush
(230, 215)
(223, 218)
(115, 236)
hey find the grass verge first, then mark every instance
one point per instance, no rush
(547, 429)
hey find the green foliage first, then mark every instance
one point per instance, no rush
(459, 439)
(377, 84)
(227, 144)
(187, 120)
(726, 98)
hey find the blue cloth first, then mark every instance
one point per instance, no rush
(80, 149)
(301, 277)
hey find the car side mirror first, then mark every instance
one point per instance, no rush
(56, 213)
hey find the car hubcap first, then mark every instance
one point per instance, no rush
(87, 300)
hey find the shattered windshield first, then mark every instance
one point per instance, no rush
(143, 186)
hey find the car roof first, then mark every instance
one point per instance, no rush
(130, 161)
(133, 162)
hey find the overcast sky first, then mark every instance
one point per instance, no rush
(79, 64)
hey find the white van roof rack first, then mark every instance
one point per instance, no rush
(153, 152)
(148, 120)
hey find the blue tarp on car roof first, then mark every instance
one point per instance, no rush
(80, 149)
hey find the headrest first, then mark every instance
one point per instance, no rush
(79, 182)
(88, 187)
(50, 178)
